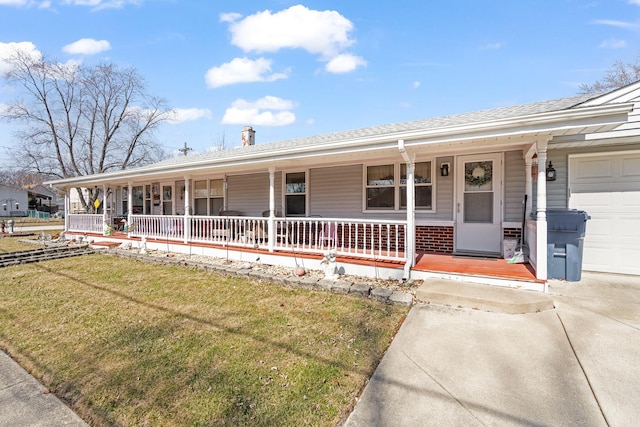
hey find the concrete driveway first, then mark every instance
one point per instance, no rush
(575, 364)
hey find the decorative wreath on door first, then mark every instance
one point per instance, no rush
(478, 173)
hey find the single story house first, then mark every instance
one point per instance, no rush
(13, 201)
(394, 193)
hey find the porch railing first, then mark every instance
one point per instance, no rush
(352, 237)
(361, 238)
(86, 223)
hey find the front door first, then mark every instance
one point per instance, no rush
(479, 202)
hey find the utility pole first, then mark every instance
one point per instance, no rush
(185, 150)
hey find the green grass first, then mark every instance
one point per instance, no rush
(130, 343)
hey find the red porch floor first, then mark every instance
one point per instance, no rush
(474, 266)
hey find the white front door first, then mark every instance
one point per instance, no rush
(479, 202)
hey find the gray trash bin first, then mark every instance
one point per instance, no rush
(566, 229)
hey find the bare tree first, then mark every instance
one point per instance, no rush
(620, 74)
(81, 120)
(19, 177)
(220, 143)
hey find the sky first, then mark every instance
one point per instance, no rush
(292, 69)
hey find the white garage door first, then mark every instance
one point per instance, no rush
(607, 187)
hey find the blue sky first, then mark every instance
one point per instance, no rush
(293, 69)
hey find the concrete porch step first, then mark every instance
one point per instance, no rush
(482, 297)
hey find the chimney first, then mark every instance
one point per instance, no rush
(248, 136)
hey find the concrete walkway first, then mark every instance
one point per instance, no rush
(26, 402)
(575, 364)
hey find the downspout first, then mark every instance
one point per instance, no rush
(410, 237)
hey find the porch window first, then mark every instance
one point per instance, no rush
(381, 187)
(422, 182)
(138, 199)
(295, 194)
(386, 186)
(208, 196)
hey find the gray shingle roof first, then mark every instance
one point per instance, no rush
(392, 128)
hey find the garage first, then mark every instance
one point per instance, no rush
(607, 187)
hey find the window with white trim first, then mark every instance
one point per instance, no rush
(422, 182)
(295, 194)
(386, 186)
(208, 196)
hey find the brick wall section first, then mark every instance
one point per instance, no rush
(511, 233)
(438, 239)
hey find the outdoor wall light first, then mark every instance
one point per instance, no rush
(551, 172)
(444, 169)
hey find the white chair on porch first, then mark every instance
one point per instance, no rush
(328, 235)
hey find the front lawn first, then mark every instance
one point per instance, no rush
(129, 343)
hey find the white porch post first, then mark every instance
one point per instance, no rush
(67, 207)
(271, 237)
(411, 213)
(104, 203)
(187, 210)
(541, 214)
(410, 235)
(129, 202)
(225, 192)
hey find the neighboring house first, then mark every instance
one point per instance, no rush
(42, 198)
(447, 185)
(13, 201)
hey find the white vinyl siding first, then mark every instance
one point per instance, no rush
(249, 194)
(514, 186)
(336, 191)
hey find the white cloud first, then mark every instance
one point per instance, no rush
(415, 85)
(9, 49)
(344, 63)
(13, 2)
(318, 32)
(87, 47)
(614, 23)
(230, 17)
(636, 2)
(242, 70)
(491, 46)
(181, 115)
(613, 43)
(103, 4)
(267, 111)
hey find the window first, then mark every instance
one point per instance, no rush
(386, 186)
(208, 196)
(422, 182)
(381, 187)
(295, 194)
